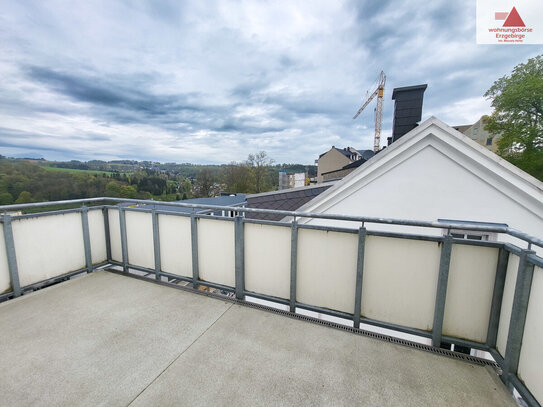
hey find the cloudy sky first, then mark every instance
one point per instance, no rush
(210, 82)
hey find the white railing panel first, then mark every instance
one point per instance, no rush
(267, 259)
(48, 246)
(326, 269)
(115, 235)
(139, 237)
(400, 281)
(97, 236)
(507, 302)
(5, 281)
(216, 251)
(531, 353)
(470, 287)
(175, 244)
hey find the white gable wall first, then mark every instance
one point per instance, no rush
(429, 177)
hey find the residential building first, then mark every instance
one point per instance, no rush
(342, 172)
(478, 133)
(291, 180)
(336, 159)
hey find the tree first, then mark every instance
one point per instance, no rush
(259, 164)
(518, 115)
(24, 197)
(238, 178)
(6, 198)
(128, 191)
(113, 190)
(204, 182)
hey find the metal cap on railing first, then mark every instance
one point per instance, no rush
(464, 225)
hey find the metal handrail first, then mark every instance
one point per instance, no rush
(464, 225)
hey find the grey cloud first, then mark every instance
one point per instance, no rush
(198, 70)
(92, 89)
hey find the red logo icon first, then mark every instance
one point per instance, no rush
(512, 19)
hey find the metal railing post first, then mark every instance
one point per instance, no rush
(194, 247)
(12, 258)
(156, 244)
(293, 264)
(86, 237)
(359, 276)
(518, 316)
(497, 297)
(105, 213)
(240, 257)
(441, 294)
(124, 247)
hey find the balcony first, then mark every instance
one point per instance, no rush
(124, 305)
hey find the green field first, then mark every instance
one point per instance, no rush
(74, 171)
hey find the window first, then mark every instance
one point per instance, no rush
(472, 234)
(462, 234)
(489, 141)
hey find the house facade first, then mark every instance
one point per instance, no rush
(479, 134)
(336, 159)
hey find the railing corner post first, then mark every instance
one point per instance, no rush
(517, 322)
(441, 292)
(105, 214)
(11, 256)
(156, 244)
(86, 237)
(293, 264)
(124, 246)
(359, 276)
(497, 298)
(239, 257)
(194, 250)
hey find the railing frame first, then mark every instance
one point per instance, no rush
(528, 260)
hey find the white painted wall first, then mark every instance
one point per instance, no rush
(216, 251)
(470, 288)
(139, 239)
(326, 269)
(115, 235)
(97, 236)
(48, 246)
(175, 244)
(267, 259)
(400, 281)
(430, 186)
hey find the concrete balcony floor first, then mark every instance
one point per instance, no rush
(107, 339)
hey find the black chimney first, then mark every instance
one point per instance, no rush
(407, 109)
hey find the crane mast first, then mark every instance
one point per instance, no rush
(378, 110)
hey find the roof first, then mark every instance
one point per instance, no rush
(284, 199)
(354, 164)
(345, 152)
(366, 154)
(108, 339)
(462, 128)
(491, 169)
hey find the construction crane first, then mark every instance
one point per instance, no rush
(378, 110)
